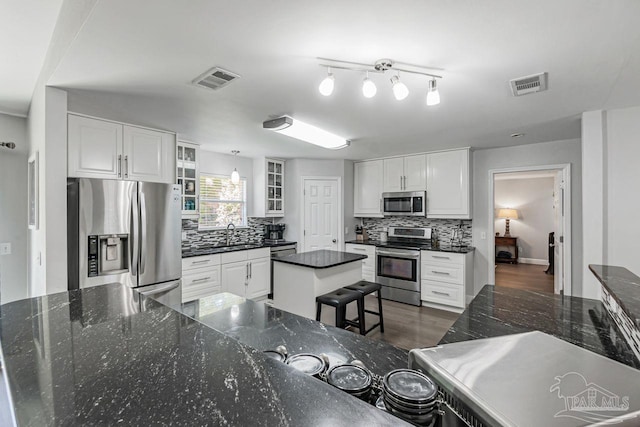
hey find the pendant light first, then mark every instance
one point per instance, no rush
(400, 90)
(326, 86)
(433, 96)
(235, 176)
(368, 87)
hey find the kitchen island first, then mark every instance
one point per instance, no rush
(299, 278)
(98, 356)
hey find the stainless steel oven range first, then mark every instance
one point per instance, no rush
(398, 263)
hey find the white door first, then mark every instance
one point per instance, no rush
(448, 184)
(148, 155)
(558, 250)
(393, 174)
(320, 215)
(235, 277)
(94, 148)
(259, 277)
(367, 191)
(415, 173)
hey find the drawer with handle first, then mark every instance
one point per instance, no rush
(205, 261)
(449, 273)
(442, 257)
(442, 293)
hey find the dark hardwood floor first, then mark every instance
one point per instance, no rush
(405, 326)
(524, 276)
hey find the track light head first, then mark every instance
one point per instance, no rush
(400, 90)
(433, 96)
(369, 89)
(326, 86)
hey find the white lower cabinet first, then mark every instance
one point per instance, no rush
(368, 264)
(200, 277)
(247, 273)
(446, 279)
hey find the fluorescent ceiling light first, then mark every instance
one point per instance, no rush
(305, 132)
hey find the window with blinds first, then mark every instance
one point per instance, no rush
(222, 202)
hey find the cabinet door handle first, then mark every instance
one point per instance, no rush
(441, 272)
(247, 268)
(440, 257)
(204, 279)
(441, 293)
(359, 249)
(126, 166)
(381, 209)
(250, 270)
(119, 165)
(405, 183)
(202, 261)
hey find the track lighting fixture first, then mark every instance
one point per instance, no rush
(400, 90)
(326, 86)
(369, 89)
(433, 96)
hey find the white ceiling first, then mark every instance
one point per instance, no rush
(133, 61)
(26, 27)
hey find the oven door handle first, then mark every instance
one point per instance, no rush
(398, 254)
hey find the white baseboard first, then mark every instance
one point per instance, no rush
(533, 261)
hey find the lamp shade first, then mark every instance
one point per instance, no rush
(508, 213)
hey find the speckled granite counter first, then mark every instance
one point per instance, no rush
(421, 246)
(320, 259)
(498, 311)
(221, 249)
(92, 357)
(264, 328)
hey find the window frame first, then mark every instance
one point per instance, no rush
(244, 202)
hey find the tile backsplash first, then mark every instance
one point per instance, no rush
(444, 227)
(254, 233)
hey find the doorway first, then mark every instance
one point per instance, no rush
(535, 253)
(321, 213)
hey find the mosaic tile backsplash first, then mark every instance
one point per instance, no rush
(254, 233)
(444, 227)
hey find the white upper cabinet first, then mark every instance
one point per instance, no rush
(415, 173)
(149, 155)
(367, 195)
(393, 174)
(448, 185)
(95, 148)
(109, 150)
(405, 174)
(268, 188)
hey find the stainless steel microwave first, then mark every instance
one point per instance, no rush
(406, 203)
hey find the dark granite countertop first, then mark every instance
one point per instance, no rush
(320, 259)
(221, 249)
(95, 357)
(624, 287)
(498, 311)
(264, 328)
(421, 246)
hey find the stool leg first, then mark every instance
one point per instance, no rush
(340, 316)
(318, 310)
(380, 311)
(361, 314)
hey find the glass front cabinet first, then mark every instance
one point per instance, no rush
(268, 191)
(188, 156)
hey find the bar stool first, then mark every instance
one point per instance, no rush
(366, 288)
(339, 300)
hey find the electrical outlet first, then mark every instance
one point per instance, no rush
(184, 235)
(483, 235)
(5, 248)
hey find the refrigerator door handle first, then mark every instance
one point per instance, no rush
(143, 233)
(133, 238)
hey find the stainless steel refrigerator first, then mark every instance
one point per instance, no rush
(125, 232)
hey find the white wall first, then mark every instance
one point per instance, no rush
(47, 134)
(612, 150)
(546, 153)
(533, 199)
(223, 164)
(294, 171)
(13, 208)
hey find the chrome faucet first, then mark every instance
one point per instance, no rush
(230, 227)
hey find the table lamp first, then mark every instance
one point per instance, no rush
(507, 214)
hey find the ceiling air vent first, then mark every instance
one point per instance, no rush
(215, 78)
(529, 84)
